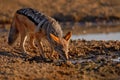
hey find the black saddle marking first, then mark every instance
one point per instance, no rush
(34, 15)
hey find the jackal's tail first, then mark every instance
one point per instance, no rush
(13, 34)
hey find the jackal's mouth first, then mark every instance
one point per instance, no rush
(62, 54)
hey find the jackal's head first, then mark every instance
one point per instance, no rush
(62, 45)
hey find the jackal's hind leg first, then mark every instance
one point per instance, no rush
(31, 41)
(22, 43)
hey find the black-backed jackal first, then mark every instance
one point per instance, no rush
(30, 23)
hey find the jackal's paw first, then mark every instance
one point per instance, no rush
(33, 47)
(33, 51)
(69, 63)
(24, 54)
(62, 62)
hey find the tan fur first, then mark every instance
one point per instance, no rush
(27, 28)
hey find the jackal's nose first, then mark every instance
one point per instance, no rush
(10, 41)
(63, 53)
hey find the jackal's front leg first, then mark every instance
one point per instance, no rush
(52, 52)
(40, 46)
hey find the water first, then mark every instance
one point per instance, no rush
(116, 60)
(98, 36)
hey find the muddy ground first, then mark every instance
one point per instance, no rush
(90, 60)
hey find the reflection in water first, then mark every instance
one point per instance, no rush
(116, 60)
(100, 36)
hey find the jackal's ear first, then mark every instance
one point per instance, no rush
(55, 38)
(67, 36)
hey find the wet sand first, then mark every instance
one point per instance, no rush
(91, 60)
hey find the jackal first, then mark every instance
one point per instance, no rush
(30, 23)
